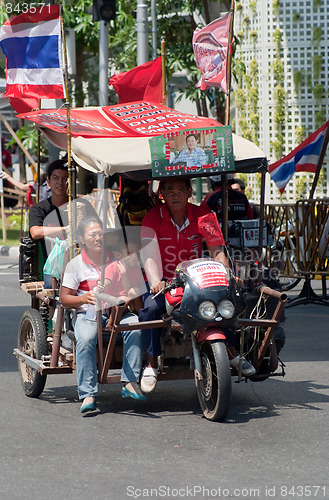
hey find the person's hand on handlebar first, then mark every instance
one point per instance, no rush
(158, 287)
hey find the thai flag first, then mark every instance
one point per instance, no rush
(31, 42)
(304, 158)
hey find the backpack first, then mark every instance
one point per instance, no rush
(134, 202)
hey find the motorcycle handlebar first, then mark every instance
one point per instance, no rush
(174, 283)
(273, 293)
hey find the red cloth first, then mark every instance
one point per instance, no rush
(29, 195)
(23, 105)
(141, 83)
(175, 246)
(210, 229)
(6, 156)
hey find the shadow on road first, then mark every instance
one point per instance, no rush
(249, 401)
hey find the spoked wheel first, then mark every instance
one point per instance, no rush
(289, 282)
(214, 391)
(32, 340)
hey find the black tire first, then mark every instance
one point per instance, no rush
(289, 282)
(214, 391)
(32, 340)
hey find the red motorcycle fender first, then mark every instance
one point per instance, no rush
(210, 333)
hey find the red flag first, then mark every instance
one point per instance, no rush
(210, 47)
(141, 83)
(209, 228)
(23, 105)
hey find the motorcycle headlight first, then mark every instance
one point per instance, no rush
(207, 309)
(226, 309)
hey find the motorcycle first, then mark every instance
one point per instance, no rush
(204, 303)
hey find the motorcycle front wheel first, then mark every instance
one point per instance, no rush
(215, 388)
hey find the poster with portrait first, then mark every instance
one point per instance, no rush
(192, 152)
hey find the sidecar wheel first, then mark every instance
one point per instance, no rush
(32, 340)
(214, 391)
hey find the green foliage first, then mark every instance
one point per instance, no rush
(254, 69)
(317, 35)
(320, 117)
(277, 35)
(28, 135)
(253, 36)
(317, 66)
(302, 186)
(253, 6)
(318, 91)
(296, 17)
(278, 69)
(277, 146)
(247, 81)
(253, 96)
(299, 135)
(254, 118)
(298, 79)
(276, 6)
(240, 98)
(309, 81)
(246, 20)
(239, 69)
(238, 6)
(316, 3)
(279, 95)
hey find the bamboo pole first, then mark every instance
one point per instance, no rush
(69, 161)
(23, 148)
(163, 61)
(4, 229)
(38, 158)
(319, 165)
(227, 122)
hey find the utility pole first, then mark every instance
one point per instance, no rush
(103, 63)
(154, 28)
(142, 32)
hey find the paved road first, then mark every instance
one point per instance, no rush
(273, 445)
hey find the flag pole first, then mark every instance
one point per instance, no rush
(38, 157)
(69, 161)
(227, 122)
(320, 162)
(163, 61)
(229, 66)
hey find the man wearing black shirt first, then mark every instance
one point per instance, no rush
(55, 225)
(238, 205)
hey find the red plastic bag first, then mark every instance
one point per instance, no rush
(209, 228)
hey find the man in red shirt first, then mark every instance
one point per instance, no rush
(172, 228)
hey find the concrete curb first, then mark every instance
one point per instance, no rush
(6, 251)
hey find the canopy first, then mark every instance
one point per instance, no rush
(115, 139)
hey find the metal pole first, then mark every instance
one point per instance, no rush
(103, 73)
(142, 32)
(154, 28)
(103, 63)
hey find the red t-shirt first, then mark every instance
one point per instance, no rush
(175, 245)
(116, 288)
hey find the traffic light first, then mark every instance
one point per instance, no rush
(104, 10)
